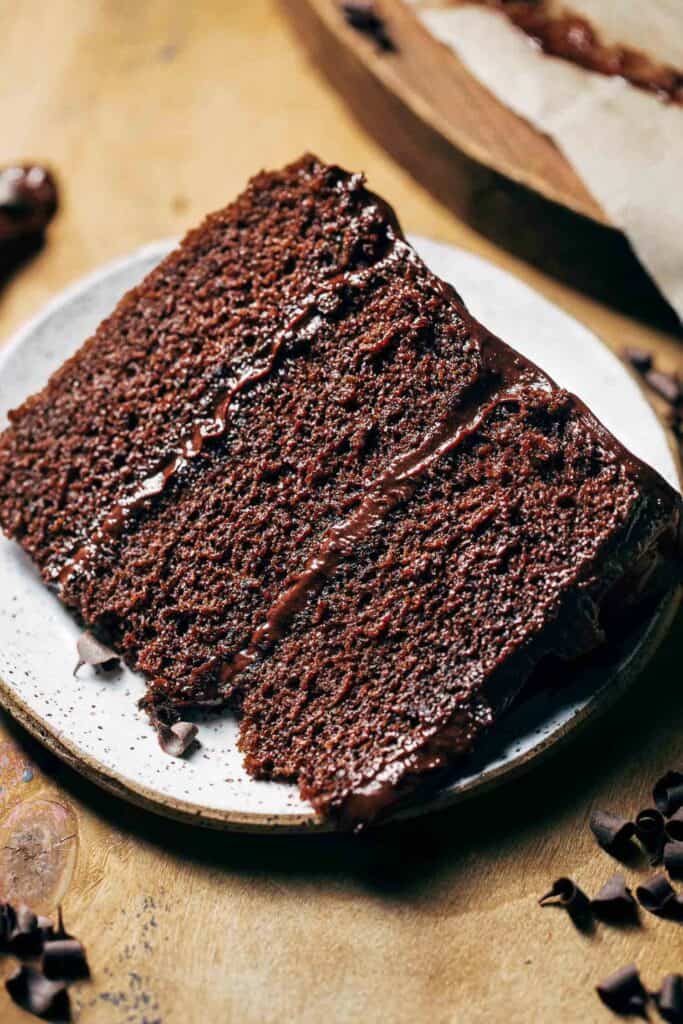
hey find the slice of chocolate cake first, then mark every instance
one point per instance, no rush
(292, 475)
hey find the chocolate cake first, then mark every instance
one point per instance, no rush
(291, 475)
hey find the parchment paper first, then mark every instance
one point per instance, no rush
(626, 144)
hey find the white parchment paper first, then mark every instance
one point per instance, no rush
(626, 144)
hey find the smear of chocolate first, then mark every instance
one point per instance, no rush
(176, 739)
(623, 991)
(673, 859)
(612, 832)
(32, 991)
(65, 960)
(649, 825)
(658, 896)
(364, 17)
(92, 651)
(666, 385)
(668, 792)
(639, 358)
(566, 893)
(669, 999)
(615, 901)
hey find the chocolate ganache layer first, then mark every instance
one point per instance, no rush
(291, 475)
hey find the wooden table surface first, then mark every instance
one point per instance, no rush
(153, 112)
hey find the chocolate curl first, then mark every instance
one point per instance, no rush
(639, 358)
(28, 201)
(674, 826)
(623, 992)
(668, 792)
(566, 893)
(8, 921)
(615, 901)
(612, 832)
(26, 939)
(33, 992)
(658, 897)
(649, 827)
(673, 859)
(64, 960)
(176, 739)
(92, 651)
(669, 999)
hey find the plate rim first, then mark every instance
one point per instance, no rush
(149, 799)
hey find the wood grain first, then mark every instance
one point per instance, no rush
(152, 113)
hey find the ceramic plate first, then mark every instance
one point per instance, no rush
(94, 723)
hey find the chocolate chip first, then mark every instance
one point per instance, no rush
(32, 991)
(668, 792)
(669, 999)
(566, 893)
(612, 832)
(623, 991)
(666, 385)
(649, 826)
(92, 651)
(658, 897)
(176, 739)
(65, 960)
(364, 17)
(615, 901)
(639, 358)
(673, 859)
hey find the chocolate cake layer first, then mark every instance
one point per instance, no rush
(292, 474)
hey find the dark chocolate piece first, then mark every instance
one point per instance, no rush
(649, 825)
(615, 901)
(566, 893)
(639, 358)
(611, 831)
(674, 826)
(364, 17)
(32, 991)
(666, 385)
(28, 201)
(64, 960)
(673, 859)
(669, 999)
(623, 991)
(176, 739)
(92, 651)
(657, 895)
(26, 939)
(668, 792)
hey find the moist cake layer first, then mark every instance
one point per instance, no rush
(292, 473)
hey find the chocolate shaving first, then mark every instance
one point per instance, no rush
(658, 897)
(566, 893)
(364, 17)
(615, 901)
(92, 651)
(669, 999)
(649, 827)
(668, 792)
(623, 991)
(639, 358)
(32, 991)
(673, 859)
(65, 960)
(612, 832)
(674, 826)
(176, 739)
(666, 385)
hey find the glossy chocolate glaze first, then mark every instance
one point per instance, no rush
(571, 37)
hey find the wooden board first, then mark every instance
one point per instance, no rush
(425, 81)
(152, 113)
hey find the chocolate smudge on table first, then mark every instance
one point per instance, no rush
(91, 651)
(649, 827)
(673, 859)
(623, 991)
(614, 902)
(565, 893)
(364, 17)
(35, 993)
(668, 792)
(658, 896)
(669, 999)
(612, 832)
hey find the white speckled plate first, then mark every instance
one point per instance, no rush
(94, 723)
